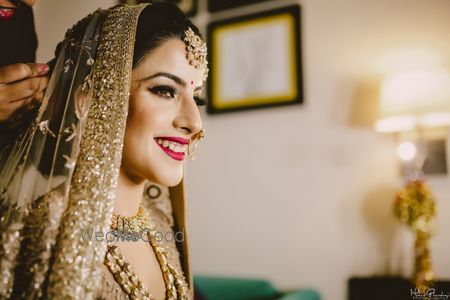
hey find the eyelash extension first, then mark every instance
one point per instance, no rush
(163, 90)
(200, 101)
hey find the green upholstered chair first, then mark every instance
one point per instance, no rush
(230, 288)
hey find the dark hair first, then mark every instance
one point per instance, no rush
(157, 23)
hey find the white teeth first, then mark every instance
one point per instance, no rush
(174, 146)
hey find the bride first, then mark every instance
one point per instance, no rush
(104, 157)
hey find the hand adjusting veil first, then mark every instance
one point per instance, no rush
(60, 175)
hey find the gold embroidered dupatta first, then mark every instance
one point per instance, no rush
(60, 175)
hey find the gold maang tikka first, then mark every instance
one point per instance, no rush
(195, 139)
(196, 51)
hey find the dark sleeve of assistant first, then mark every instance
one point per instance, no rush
(18, 38)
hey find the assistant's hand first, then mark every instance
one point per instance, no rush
(21, 86)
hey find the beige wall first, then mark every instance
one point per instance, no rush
(302, 195)
(53, 18)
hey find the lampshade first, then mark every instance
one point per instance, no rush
(414, 98)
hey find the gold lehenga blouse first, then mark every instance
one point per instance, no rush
(59, 176)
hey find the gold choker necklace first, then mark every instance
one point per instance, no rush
(137, 223)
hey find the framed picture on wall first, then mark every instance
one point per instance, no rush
(255, 61)
(218, 5)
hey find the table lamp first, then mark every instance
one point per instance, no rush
(413, 105)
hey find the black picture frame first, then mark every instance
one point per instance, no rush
(219, 5)
(295, 95)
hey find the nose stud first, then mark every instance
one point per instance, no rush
(195, 139)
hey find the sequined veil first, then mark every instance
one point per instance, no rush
(58, 177)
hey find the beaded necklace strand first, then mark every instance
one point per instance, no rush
(123, 273)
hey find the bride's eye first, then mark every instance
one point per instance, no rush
(200, 101)
(165, 91)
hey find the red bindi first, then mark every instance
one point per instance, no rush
(192, 82)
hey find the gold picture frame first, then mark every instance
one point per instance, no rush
(255, 61)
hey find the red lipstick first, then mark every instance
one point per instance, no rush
(174, 139)
(175, 155)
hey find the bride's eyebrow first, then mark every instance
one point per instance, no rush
(172, 77)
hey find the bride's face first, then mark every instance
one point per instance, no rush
(163, 112)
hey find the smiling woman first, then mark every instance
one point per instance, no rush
(162, 107)
(121, 110)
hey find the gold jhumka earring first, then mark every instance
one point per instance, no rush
(195, 139)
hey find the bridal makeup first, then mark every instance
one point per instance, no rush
(175, 147)
(165, 96)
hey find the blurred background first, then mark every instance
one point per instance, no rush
(302, 195)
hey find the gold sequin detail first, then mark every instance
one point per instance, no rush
(95, 177)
